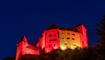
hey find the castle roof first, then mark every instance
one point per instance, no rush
(53, 26)
(78, 25)
(23, 39)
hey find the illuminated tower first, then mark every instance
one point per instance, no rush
(23, 48)
(20, 46)
(83, 30)
(50, 39)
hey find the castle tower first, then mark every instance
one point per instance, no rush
(83, 30)
(20, 46)
(23, 48)
(50, 39)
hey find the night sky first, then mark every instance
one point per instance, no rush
(31, 18)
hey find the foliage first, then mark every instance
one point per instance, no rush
(9, 58)
(101, 41)
(101, 32)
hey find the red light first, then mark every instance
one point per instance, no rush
(49, 41)
(83, 30)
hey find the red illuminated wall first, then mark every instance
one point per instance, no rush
(83, 30)
(51, 40)
(41, 42)
(24, 48)
(18, 53)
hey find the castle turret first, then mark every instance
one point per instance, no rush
(83, 35)
(23, 48)
(50, 39)
(21, 45)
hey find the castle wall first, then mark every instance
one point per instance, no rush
(83, 32)
(69, 39)
(28, 50)
(23, 48)
(18, 53)
(51, 40)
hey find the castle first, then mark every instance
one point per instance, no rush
(54, 38)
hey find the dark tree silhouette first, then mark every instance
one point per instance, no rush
(9, 58)
(101, 42)
(101, 32)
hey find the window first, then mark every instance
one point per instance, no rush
(65, 43)
(68, 38)
(50, 35)
(52, 40)
(73, 39)
(73, 34)
(74, 45)
(68, 33)
(54, 34)
(62, 33)
(54, 45)
(62, 38)
(49, 45)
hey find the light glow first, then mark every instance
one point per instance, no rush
(63, 48)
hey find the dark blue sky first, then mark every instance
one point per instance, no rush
(19, 17)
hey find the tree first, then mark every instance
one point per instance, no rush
(101, 42)
(9, 58)
(101, 32)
